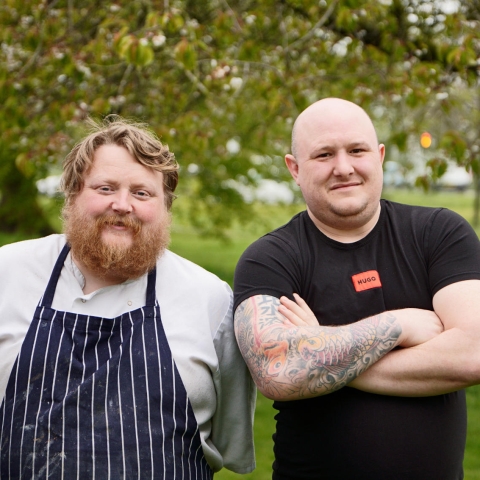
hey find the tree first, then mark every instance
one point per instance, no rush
(453, 114)
(206, 76)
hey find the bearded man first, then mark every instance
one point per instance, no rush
(118, 357)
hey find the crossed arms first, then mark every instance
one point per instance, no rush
(291, 356)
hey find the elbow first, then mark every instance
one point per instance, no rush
(274, 390)
(278, 391)
(471, 371)
(278, 396)
(466, 371)
(271, 395)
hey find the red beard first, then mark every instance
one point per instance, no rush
(84, 235)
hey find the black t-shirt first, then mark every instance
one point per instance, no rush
(410, 254)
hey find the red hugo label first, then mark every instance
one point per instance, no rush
(366, 280)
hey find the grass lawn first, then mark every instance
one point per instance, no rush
(221, 258)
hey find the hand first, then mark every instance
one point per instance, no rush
(418, 326)
(298, 313)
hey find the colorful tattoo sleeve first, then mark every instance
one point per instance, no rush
(289, 362)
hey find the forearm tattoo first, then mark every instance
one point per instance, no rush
(301, 362)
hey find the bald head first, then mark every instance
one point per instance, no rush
(322, 112)
(337, 163)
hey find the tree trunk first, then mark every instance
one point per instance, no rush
(476, 202)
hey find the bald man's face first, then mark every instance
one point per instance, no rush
(338, 164)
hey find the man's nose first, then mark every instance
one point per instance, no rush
(121, 202)
(343, 165)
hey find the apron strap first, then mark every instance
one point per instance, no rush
(151, 299)
(47, 299)
(52, 283)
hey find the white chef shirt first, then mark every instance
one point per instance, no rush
(196, 312)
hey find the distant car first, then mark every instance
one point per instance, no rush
(395, 176)
(455, 178)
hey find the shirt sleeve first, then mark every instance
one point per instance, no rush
(236, 395)
(270, 266)
(453, 250)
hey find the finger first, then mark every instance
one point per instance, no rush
(308, 316)
(293, 306)
(292, 312)
(291, 318)
(302, 303)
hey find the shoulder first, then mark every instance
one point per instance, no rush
(402, 210)
(437, 232)
(25, 268)
(293, 230)
(174, 268)
(420, 217)
(286, 238)
(37, 254)
(189, 291)
(275, 264)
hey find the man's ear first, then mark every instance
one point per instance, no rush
(292, 166)
(381, 151)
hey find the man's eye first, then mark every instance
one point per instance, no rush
(105, 189)
(142, 193)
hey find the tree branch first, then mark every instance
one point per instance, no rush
(319, 24)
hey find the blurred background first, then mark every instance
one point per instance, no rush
(221, 82)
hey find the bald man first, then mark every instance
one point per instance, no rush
(359, 317)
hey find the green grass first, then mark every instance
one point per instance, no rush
(221, 258)
(472, 452)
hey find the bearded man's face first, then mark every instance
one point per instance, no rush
(118, 225)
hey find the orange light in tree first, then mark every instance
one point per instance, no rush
(425, 140)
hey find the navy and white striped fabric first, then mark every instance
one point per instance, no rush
(90, 397)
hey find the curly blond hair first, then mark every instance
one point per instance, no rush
(139, 141)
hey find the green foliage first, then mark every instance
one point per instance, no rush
(453, 142)
(438, 167)
(203, 73)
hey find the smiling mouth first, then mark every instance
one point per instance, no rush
(339, 186)
(118, 226)
(115, 223)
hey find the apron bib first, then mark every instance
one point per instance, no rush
(91, 397)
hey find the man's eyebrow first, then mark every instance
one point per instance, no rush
(144, 185)
(330, 147)
(359, 144)
(320, 148)
(100, 180)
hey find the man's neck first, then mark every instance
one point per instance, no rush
(94, 282)
(346, 235)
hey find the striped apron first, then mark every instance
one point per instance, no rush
(91, 397)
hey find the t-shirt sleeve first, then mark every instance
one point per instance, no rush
(270, 266)
(453, 250)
